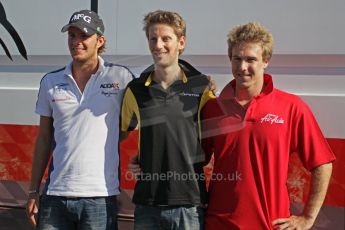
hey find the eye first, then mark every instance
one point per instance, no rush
(84, 36)
(153, 39)
(166, 39)
(236, 58)
(71, 35)
(251, 60)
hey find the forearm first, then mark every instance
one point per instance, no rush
(39, 163)
(42, 152)
(318, 189)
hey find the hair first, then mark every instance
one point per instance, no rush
(251, 32)
(169, 18)
(103, 47)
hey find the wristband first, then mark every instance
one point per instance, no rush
(34, 191)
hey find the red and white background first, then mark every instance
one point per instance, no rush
(309, 60)
(319, 80)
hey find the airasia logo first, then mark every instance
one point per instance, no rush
(272, 119)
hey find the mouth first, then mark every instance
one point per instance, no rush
(159, 54)
(77, 49)
(243, 75)
(77, 52)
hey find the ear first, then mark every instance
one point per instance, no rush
(265, 64)
(229, 54)
(100, 41)
(182, 42)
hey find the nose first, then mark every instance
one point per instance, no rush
(159, 44)
(76, 40)
(243, 65)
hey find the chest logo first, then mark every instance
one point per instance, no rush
(189, 94)
(61, 86)
(272, 119)
(114, 85)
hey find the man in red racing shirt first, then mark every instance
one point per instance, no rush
(252, 129)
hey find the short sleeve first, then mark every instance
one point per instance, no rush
(129, 111)
(43, 106)
(206, 126)
(308, 140)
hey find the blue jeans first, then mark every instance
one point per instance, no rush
(169, 217)
(57, 213)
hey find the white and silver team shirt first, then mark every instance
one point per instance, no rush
(86, 130)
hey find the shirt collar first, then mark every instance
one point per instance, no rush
(101, 67)
(229, 90)
(149, 79)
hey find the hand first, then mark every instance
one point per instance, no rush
(32, 208)
(212, 84)
(134, 166)
(293, 223)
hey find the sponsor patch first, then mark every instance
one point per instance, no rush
(109, 93)
(272, 119)
(189, 94)
(114, 85)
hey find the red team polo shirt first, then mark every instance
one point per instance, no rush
(251, 154)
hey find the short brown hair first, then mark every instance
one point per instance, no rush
(169, 18)
(251, 32)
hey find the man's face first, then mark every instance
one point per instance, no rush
(247, 65)
(83, 47)
(164, 45)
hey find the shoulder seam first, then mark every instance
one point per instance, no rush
(54, 71)
(110, 64)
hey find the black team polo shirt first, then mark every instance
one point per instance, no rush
(170, 154)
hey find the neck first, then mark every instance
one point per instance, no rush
(84, 68)
(167, 76)
(245, 95)
(82, 72)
